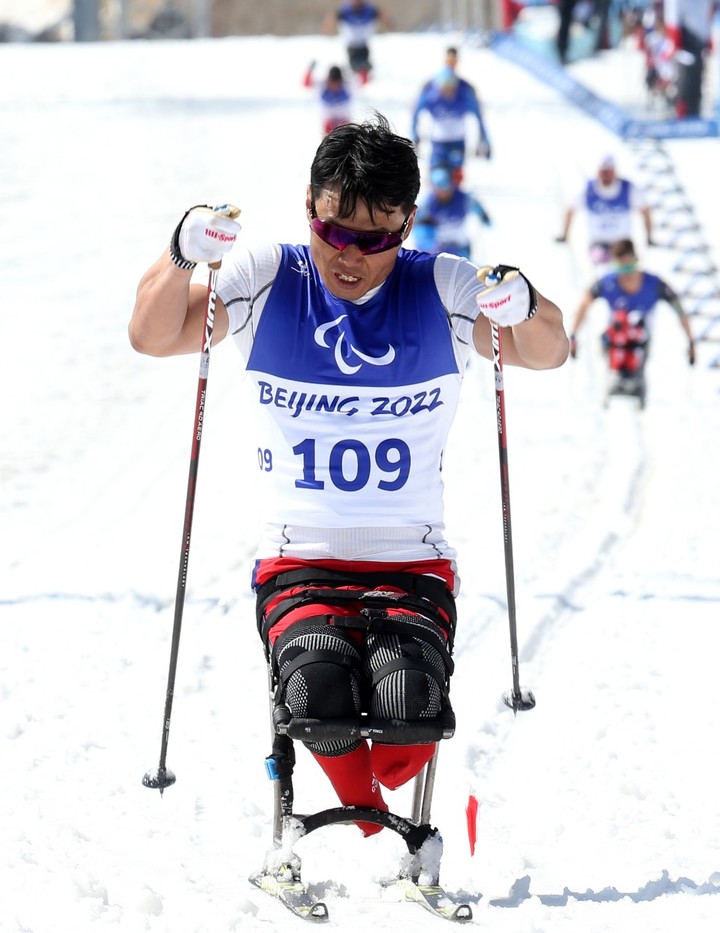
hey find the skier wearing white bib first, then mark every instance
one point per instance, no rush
(610, 203)
(356, 348)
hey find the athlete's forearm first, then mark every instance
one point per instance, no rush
(541, 342)
(169, 312)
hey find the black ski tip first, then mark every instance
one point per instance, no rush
(319, 912)
(158, 779)
(522, 700)
(463, 913)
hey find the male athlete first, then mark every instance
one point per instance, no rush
(356, 348)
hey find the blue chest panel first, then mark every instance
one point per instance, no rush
(597, 204)
(331, 97)
(441, 106)
(399, 337)
(456, 209)
(644, 300)
(367, 13)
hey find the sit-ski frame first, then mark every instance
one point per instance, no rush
(415, 830)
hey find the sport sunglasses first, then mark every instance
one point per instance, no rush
(368, 243)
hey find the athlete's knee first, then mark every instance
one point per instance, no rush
(409, 677)
(319, 669)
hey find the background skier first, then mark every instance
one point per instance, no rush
(631, 295)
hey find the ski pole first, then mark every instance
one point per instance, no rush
(519, 698)
(161, 777)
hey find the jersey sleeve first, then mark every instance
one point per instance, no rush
(668, 293)
(475, 207)
(420, 105)
(638, 197)
(243, 285)
(457, 285)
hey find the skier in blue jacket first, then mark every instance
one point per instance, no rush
(450, 103)
(357, 21)
(442, 220)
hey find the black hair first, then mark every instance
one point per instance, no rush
(623, 248)
(335, 73)
(367, 162)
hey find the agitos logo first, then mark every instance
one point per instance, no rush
(342, 355)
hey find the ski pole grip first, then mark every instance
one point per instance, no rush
(232, 212)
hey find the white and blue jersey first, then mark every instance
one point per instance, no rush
(335, 102)
(448, 114)
(640, 305)
(609, 211)
(357, 25)
(443, 225)
(336, 105)
(354, 399)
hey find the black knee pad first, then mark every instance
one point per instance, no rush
(408, 676)
(319, 671)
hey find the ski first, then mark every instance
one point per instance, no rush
(293, 894)
(433, 898)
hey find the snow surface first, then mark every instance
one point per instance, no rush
(598, 809)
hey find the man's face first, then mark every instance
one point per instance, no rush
(606, 176)
(346, 272)
(625, 263)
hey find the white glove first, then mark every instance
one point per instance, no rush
(508, 297)
(204, 234)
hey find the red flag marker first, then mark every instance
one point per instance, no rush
(471, 812)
